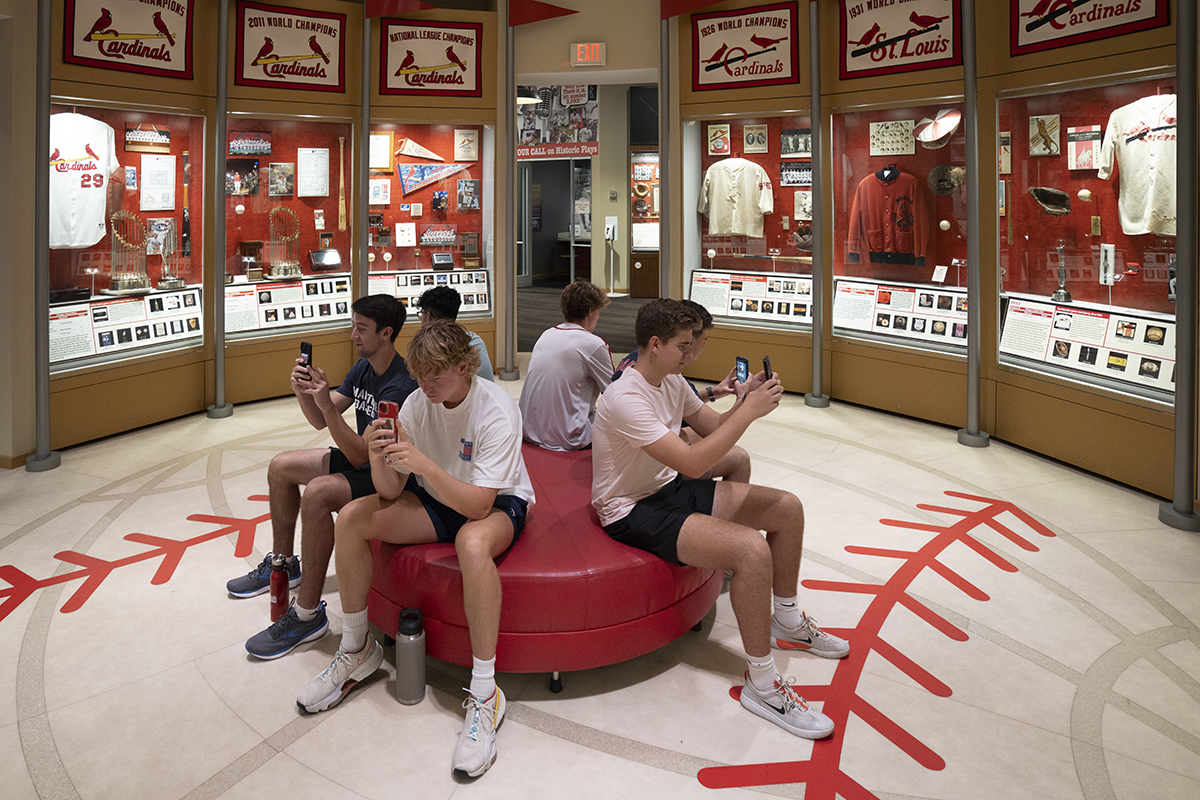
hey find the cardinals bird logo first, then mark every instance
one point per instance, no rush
(1038, 10)
(924, 21)
(264, 51)
(763, 41)
(409, 61)
(455, 59)
(868, 36)
(717, 55)
(90, 152)
(162, 27)
(316, 48)
(100, 25)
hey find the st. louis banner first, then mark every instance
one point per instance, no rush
(433, 58)
(1047, 24)
(748, 47)
(290, 48)
(152, 37)
(885, 36)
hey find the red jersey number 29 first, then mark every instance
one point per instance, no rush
(94, 180)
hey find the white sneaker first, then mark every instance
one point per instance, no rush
(476, 748)
(786, 709)
(345, 672)
(807, 636)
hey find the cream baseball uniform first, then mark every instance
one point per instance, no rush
(569, 369)
(1141, 137)
(83, 156)
(735, 196)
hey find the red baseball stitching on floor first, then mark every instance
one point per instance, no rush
(94, 570)
(822, 773)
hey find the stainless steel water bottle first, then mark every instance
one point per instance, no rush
(410, 658)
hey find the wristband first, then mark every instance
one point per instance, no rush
(712, 398)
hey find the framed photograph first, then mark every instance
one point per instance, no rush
(249, 143)
(1002, 188)
(754, 139)
(466, 144)
(893, 138)
(281, 180)
(381, 191)
(1043, 135)
(795, 143)
(718, 140)
(379, 157)
(241, 176)
(468, 195)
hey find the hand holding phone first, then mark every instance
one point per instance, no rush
(388, 412)
(767, 373)
(306, 355)
(743, 369)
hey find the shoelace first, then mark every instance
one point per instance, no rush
(811, 624)
(341, 656)
(790, 698)
(475, 708)
(289, 620)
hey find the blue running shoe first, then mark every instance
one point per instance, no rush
(258, 580)
(287, 634)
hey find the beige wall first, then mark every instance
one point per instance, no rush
(18, 78)
(610, 172)
(628, 28)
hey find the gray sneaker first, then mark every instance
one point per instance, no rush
(258, 580)
(287, 634)
(476, 748)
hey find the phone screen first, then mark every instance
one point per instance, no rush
(767, 373)
(743, 369)
(388, 411)
(306, 353)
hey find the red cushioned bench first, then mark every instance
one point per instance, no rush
(573, 598)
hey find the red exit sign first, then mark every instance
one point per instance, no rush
(588, 54)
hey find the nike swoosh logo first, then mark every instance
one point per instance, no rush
(781, 711)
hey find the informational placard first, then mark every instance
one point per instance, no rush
(101, 327)
(1124, 345)
(880, 37)
(267, 305)
(471, 285)
(290, 48)
(1083, 147)
(158, 183)
(747, 47)
(1042, 25)
(312, 172)
(914, 312)
(757, 296)
(431, 57)
(130, 35)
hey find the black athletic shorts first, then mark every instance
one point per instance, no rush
(359, 478)
(447, 522)
(654, 522)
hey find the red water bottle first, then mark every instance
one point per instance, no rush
(279, 587)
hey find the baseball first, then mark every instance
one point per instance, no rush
(387, 256)
(1085, 195)
(944, 224)
(711, 253)
(239, 209)
(371, 257)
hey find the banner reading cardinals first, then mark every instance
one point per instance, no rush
(290, 48)
(150, 37)
(748, 47)
(1047, 24)
(885, 36)
(432, 58)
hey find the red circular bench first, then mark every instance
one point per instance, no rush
(573, 598)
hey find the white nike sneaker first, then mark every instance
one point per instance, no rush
(786, 709)
(807, 636)
(476, 748)
(345, 671)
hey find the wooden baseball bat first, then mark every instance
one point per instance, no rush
(185, 233)
(341, 183)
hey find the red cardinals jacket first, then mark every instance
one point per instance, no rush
(888, 221)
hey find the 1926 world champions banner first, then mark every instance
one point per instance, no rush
(748, 47)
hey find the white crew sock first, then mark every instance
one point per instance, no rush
(787, 611)
(306, 614)
(762, 672)
(483, 678)
(354, 631)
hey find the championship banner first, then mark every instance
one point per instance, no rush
(748, 47)
(1047, 24)
(880, 37)
(151, 37)
(290, 48)
(433, 59)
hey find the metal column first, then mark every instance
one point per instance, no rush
(664, 158)
(217, 259)
(817, 398)
(508, 261)
(363, 162)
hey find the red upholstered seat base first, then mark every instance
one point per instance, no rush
(573, 598)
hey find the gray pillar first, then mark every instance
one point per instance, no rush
(217, 259)
(508, 259)
(362, 163)
(817, 397)
(664, 159)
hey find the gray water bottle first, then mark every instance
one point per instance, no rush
(410, 658)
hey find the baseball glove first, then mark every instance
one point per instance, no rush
(1055, 201)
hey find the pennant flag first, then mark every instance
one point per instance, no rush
(410, 148)
(673, 8)
(390, 8)
(418, 176)
(522, 12)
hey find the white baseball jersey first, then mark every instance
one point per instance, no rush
(1141, 136)
(735, 195)
(83, 154)
(569, 369)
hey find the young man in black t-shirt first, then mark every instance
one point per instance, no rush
(332, 477)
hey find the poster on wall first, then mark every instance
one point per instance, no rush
(290, 48)
(432, 58)
(747, 47)
(130, 35)
(884, 38)
(1041, 25)
(566, 124)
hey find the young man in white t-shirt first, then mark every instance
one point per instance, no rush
(453, 473)
(644, 501)
(569, 369)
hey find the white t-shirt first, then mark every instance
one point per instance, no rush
(630, 415)
(83, 154)
(485, 363)
(478, 442)
(735, 195)
(569, 369)
(1141, 137)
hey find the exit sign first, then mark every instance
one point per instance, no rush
(589, 54)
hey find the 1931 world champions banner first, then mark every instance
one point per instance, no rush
(879, 37)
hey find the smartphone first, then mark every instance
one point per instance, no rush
(743, 369)
(306, 354)
(388, 411)
(767, 368)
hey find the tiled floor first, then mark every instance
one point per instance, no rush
(1037, 637)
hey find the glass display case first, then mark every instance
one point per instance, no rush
(645, 193)
(126, 194)
(753, 180)
(1087, 234)
(430, 211)
(899, 234)
(287, 233)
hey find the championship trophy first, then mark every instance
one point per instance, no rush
(128, 274)
(1061, 295)
(169, 278)
(284, 253)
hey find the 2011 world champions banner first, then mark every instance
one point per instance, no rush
(290, 48)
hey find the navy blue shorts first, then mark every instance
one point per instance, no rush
(359, 478)
(654, 522)
(447, 522)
